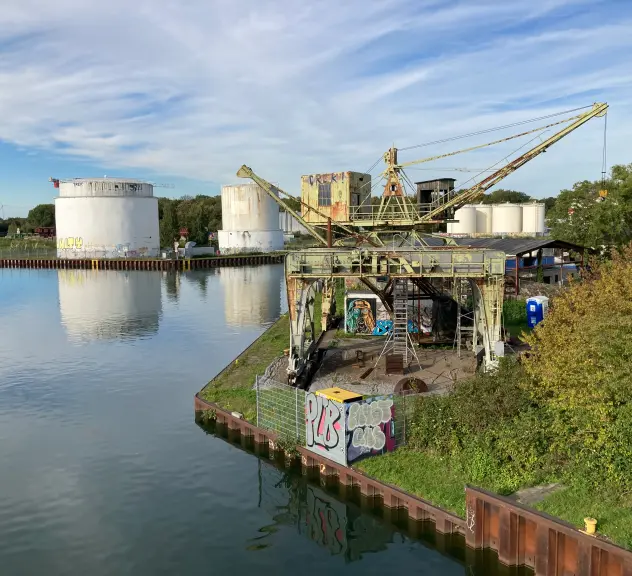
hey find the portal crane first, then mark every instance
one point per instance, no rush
(398, 212)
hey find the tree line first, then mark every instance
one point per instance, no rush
(581, 215)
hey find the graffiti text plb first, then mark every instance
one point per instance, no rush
(323, 421)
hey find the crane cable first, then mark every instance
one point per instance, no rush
(494, 129)
(604, 192)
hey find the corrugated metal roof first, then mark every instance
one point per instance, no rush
(514, 246)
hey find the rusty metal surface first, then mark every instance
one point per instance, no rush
(521, 536)
(145, 264)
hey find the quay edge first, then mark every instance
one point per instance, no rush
(141, 264)
(519, 535)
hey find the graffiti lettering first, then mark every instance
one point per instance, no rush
(370, 427)
(323, 421)
(70, 243)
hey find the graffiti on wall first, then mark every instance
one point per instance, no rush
(70, 243)
(324, 426)
(361, 313)
(370, 427)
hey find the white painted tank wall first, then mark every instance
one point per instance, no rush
(466, 224)
(88, 187)
(248, 207)
(507, 219)
(250, 220)
(533, 218)
(108, 304)
(252, 295)
(107, 227)
(484, 215)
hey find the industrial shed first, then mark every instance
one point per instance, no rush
(557, 260)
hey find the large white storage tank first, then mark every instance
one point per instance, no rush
(533, 218)
(466, 224)
(484, 215)
(108, 304)
(507, 219)
(250, 220)
(106, 218)
(252, 295)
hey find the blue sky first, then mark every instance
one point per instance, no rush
(184, 93)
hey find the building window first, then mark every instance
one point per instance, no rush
(324, 194)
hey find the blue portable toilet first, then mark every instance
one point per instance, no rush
(537, 307)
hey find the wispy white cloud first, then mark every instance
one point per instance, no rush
(290, 87)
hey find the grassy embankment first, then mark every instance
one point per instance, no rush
(563, 414)
(232, 389)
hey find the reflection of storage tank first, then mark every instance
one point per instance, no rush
(109, 304)
(484, 218)
(106, 218)
(466, 224)
(250, 220)
(507, 219)
(252, 295)
(533, 218)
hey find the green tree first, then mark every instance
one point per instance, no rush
(42, 215)
(582, 217)
(168, 221)
(501, 195)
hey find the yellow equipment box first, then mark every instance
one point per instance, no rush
(339, 395)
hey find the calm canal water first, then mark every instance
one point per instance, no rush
(102, 468)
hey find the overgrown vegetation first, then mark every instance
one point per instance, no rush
(232, 389)
(562, 414)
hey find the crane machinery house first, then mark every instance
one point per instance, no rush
(341, 196)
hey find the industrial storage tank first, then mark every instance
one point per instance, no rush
(466, 217)
(533, 218)
(252, 295)
(106, 218)
(250, 220)
(484, 215)
(507, 218)
(109, 304)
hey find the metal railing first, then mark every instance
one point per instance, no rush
(281, 408)
(28, 249)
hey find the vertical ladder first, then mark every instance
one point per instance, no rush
(400, 318)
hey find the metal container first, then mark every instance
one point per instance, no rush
(533, 218)
(507, 219)
(484, 215)
(466, 217)
(250, 220)
(106, 218)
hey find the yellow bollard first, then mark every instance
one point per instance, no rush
(591, 526)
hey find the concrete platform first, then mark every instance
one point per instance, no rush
(438, 369)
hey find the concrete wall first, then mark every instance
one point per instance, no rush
(347, 189)
(107, 227)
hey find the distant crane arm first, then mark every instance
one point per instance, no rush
(471, 194)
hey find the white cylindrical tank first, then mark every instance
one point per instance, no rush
(252, 295)
(533, 218)
(250, 220)
(466, 217)
(106, 218)
(484, 214)
(507, 219)
(108, 304)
